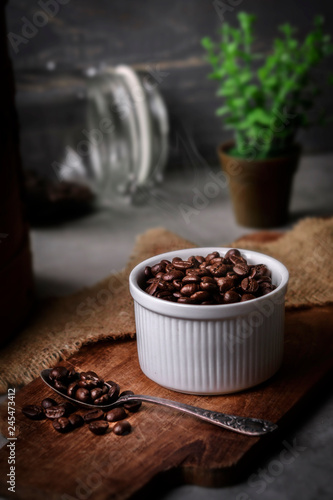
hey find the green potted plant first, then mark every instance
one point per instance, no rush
(267, 98)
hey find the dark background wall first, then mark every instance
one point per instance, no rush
(164, 35)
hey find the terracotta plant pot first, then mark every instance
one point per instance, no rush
(260, 189)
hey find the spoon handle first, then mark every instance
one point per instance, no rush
(243, 425)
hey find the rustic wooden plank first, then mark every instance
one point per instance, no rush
(162, 439)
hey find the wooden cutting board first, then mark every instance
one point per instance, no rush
(164, 444)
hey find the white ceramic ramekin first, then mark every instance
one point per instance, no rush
(210, 349)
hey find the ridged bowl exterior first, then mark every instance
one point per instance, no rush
(210, 349)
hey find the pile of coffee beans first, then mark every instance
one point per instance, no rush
(85, 387)
(209, 280)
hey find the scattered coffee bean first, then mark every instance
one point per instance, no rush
(99, 427)
(54, 412)
(93, 415)
(62, 424)
(123, 427)
(34, 412)
(76, 420)
(47, 402)
(116, 414)
(214, 279)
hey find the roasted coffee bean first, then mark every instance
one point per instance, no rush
(208, 279)
(34, 412)
(122, 428)
(260, 270)
(247, 296)
(218, 269)
(173, 275)
(189, 289)
(177, 284)
(47, 402)
(93, 415)
(232, 252)
(54, 412)
(153, 287)
(72, 375)
(209, 287)
(113, 391)
(90, 375)
(82, 395)
(249, 285)
(87, 384)
(200, 296)
(197, 272)
(76, 420)
(241, 269)
(96, 393)
(231, 297)
(116, 414)
(62, 424)
(165, 286)
(217, 260)
(60, 386)
(182, 264)
(72, 388)
(105, 389)
(99, 427)
(225, 283)
(148, 273)
(191, 278)
(186, 300)
(211, 256)
(158, 268)
(177, 295)
(102, 400)
(200, 258)
(232, 274)
(131, 406)
(59, 373)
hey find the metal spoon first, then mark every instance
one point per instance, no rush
(242, 425)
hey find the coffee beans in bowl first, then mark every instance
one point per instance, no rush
(209, 320)
(209, 280)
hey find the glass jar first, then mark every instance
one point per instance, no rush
(104, 131)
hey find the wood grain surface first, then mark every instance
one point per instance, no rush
(54, 466)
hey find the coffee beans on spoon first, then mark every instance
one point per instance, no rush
(210, 280)
(84, 387)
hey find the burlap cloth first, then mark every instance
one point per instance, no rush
(105, 311)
